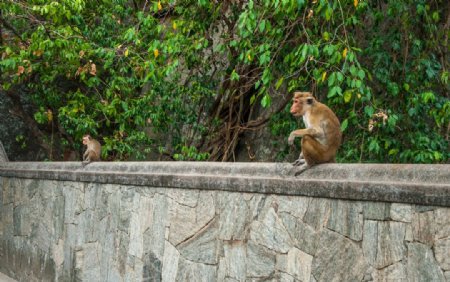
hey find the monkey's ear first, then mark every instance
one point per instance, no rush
(310, 100)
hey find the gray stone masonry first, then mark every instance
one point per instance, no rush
(185, 221)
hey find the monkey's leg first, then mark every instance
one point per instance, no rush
(312, 152)
(87, 160)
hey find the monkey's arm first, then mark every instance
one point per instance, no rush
(301, 132)
(85, 155)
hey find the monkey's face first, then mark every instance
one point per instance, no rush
(85, 140)
(299, 107)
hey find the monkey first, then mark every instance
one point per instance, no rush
(93, 150)
(322, 136)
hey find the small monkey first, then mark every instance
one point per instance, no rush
(322, 136)
(93, 150)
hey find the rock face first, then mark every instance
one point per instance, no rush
(3, 156)
(54, 230)
(13, 129)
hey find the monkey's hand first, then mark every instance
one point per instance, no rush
(85, 163)
(291, 139)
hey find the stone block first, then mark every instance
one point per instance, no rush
(295, 263)
(303, 235)
(155, 224)
(295, 206)
(188, 218)
(346, 218)
(401, 212)
(318, 213)
(370, 241)
(423, 226)
(442, 223)
(170, 262)
(394, 272)
(271, 233)
(376, 210)
(422, 265)
(22, 220)
(338, 259)
(442, 253)
(233, 264)
(260, 261)
(234, 215)
(190, 271)
(390, 247)
(203, 246)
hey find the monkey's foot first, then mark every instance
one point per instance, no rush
(298, 162)
(85, 163)
(301, 169)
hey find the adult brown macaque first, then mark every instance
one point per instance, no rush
(93, 150)
(322, 136)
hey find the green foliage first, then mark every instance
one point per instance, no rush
(185, 78)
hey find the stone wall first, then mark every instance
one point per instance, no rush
(224, 222)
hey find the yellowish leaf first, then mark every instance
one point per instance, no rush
(38, 53)
(249, 57)
(49, 115)
(174, 25)
(344, 53)
(355, 3)
(126, 52)
(156, 53)
(347, 96)
(324, 75)
(159, 6)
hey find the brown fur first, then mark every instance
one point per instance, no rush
(93, 150)
(322, 136)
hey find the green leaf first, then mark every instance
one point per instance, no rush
(361, 74)
(234, 76)
(344, 125)
(336, 90)
(266, 101)
(262, 26)
(369, 110)
(428, 96)
(374, 146)
(328, 13)
(305, 49)
(331, 79)
(393, 152)
(279, 83)
(300, 3)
